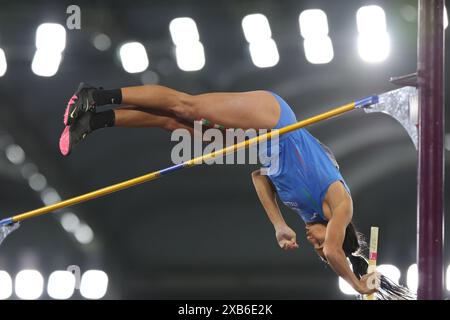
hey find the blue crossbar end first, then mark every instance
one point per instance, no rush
(366, 102)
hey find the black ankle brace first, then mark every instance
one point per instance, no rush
(103, 120)
(105, 97)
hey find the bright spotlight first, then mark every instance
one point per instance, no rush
(51, 37)
(134, 57)
(5, 285)
(84, 234)
(448, 278)
(313, 23)
(375, 48)
(37, 182)
(190, 57)
(70, 222)
(256, 27)
(371, 20)
(412, 278)
(189, 51)
(263, 49)
(15, 154)
(29, 284)
(314, 29)
(319, 50)
(264, 54)
(61, 285)
(50, 196)
(94, 284)
(46, 63)
(183, 31)
(373, 42)
(3, 64)
(445, 17)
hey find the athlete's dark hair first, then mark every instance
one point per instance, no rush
(356, 250)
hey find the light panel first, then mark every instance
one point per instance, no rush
(133, 57)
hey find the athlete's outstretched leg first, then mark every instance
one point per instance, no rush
(128, 117)
(137, 117)
(254, 109)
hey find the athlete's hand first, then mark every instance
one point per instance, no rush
(286, 238)
(369, 283)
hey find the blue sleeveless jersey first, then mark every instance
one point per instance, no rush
(304, 169)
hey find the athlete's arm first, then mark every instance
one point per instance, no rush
(332, 247)
(286, 237)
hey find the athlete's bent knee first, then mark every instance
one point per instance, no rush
(186, 107)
